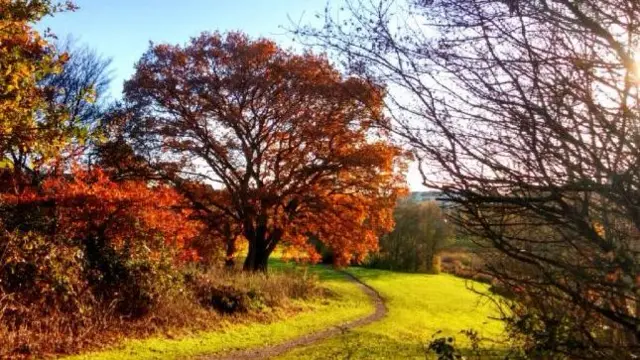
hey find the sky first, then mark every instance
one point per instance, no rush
(122, 29)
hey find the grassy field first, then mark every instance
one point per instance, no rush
(350, 303)
(419, 306)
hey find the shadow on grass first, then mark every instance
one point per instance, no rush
(364, 273)
(361, 344)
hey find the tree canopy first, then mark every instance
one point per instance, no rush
(293, 143)
(32, 128)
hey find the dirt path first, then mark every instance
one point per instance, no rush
(274, 350)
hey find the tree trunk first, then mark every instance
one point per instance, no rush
(261, 244)
(230, 256)
(257, 257)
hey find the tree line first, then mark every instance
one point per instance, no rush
(420, 232)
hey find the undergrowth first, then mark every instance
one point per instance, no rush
(193, 300)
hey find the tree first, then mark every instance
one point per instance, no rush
(30, 126)
(82, 84)
(80, 88)
(288, 138)
(525, 113)
(420, 232)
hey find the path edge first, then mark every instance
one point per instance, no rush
(267, 352)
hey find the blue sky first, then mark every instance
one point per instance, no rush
(122, 29)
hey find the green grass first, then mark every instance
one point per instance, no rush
(350, 304)
(419, 306)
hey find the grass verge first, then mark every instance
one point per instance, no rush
(419, 306)
(348, 303)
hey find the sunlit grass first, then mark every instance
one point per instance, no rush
(349, 303)
(419, 306)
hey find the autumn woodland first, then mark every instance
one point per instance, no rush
(242, 198)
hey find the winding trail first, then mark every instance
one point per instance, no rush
(275, 350)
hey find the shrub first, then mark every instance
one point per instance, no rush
(127, 236)
(457, 257)
(475, 348)
(89, 253)
(43, 294)
(225, 299)
(483, 278)
(465, 263)
(499, 288)
(41, 273)
(135, 286)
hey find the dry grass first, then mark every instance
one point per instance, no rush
(39, 332)
(465, 263)
(232, 292)
(346, 303)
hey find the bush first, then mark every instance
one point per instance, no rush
(131, 279)
(139, 287)
(467, 264)
(41, 273)
(90, 253)
(475, 348)
(483, 278)
(225, 299)
(53, 298)
(458, 257)
(499, 288)
(44, 300)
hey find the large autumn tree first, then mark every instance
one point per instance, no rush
(289, 139)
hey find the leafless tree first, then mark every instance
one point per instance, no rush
(83, 84)
(525, 113)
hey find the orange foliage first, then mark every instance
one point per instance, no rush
(29, 124)
(292, 142)
(88, 203)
